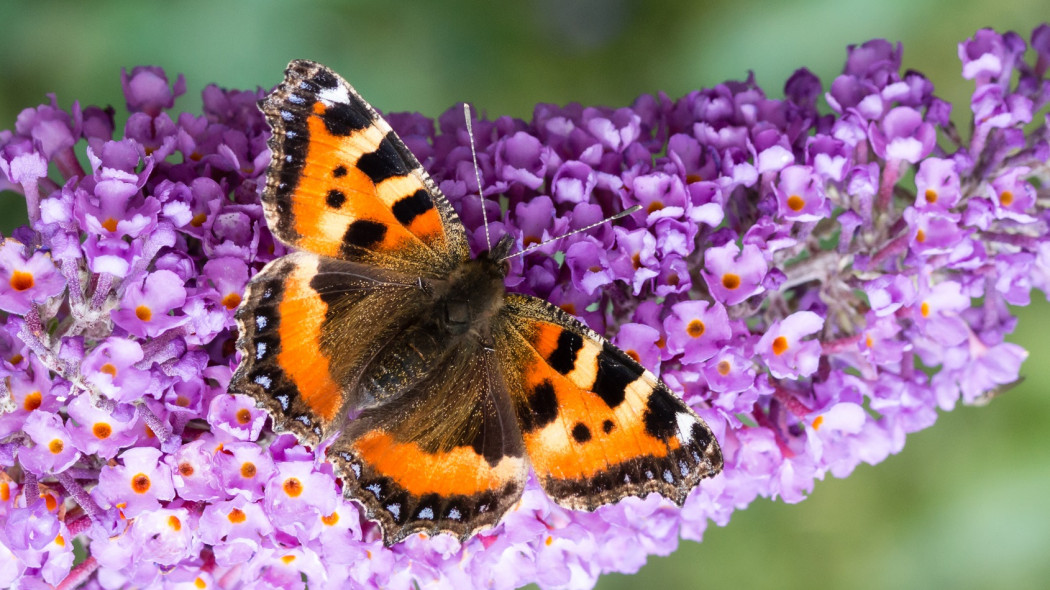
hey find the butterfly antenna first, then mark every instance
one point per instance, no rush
(573, 232)
(477, 173)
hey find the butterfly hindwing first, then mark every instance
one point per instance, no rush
(342, 184)
(597, 426)
(448, 458)
(308, 326)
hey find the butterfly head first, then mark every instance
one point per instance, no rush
(499, 253)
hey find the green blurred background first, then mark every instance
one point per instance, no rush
(965, 505)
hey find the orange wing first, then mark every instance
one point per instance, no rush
(597, 426)
(342, 184)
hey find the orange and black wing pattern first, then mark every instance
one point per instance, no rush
(342, 184)
(309, 326)
(597, 426)
(446, 458)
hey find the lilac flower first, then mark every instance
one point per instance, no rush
(166, 536)
(732, 273)
(110, 369)
(902, 135)
(800, 195)
(237, 416)
(785, 276)
(30, 388)
(52, 451)
(147, 306)
(25, 280)
(244, 468)
(696, 330)
(297, 498)
(237, 525)
(138, 485)
(193, 471)
(784, 351)
(147, 91)
(96, 431)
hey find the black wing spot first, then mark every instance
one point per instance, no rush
(339, 171)
(608, 426)
(660, 412)
(407, 208)
(324, 79)
(700, 435)
(335, 198)
(342, 119)
(364, 233)
(385, 162)
(615, 372)
(542, 407)
(581, 433)
(563, 358)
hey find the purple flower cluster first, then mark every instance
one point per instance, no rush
(816, 284)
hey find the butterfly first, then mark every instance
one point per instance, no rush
(456, 386)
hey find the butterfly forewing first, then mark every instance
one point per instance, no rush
(344, 185)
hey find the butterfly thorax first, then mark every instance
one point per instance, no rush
(457, 321)
(472, 294)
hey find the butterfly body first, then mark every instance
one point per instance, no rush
(457, 317)
(456, 387)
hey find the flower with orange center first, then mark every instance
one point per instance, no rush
(734, 273)
(800, 194)
(785, 352)
(696, 330)
(149, 307)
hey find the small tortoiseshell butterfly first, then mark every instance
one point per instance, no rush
(458, 387)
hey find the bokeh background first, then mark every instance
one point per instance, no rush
(965, 505)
